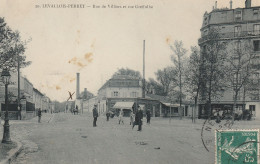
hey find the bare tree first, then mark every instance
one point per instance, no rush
(193, 77)
(178, 61)
(238, 68)
(212, 61)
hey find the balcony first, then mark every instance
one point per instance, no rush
(232, 35)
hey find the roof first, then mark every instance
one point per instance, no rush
(159, 97)
(123, 105)
(171, 105)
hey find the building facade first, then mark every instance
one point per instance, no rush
(236, 27)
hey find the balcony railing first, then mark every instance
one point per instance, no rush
(232, 35)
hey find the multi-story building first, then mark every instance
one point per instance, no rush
(117, 89)
(235, 27)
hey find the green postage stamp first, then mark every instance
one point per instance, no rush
(237, 146)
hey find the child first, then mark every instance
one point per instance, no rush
(120, 117)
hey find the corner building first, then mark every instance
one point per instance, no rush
(235, 25)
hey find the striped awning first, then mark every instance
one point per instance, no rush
(123, 105)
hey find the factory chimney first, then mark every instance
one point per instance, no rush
(248, 3)
(230, 4)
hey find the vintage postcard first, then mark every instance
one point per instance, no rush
(129, 81)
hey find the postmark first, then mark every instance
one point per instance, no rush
(237, 146)
(208, 131)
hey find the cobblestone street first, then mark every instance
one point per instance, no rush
(66, 138)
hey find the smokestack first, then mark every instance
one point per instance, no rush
(85, 93)
(77, 87)
(248, 3)
(230, 4)
(216, 4)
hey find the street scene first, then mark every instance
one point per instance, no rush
(130, 82)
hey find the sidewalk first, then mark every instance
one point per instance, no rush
(19, 131)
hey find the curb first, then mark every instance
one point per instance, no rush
(12, 154)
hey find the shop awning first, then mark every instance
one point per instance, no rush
(123, 105)
(170, 105)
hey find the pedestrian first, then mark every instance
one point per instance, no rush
(108, 115)
(95, 115)
(139, 118)
(120, 117)
(19, 112)
(39, 115)
(218, 118)
(148, 116)
(132, 115)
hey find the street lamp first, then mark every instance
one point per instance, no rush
(6, 80)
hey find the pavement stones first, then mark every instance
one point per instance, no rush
(20, 130)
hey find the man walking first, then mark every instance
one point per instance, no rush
(95, 115)
(108, 115)
(39, 115)
(148, 116)
(139, 118)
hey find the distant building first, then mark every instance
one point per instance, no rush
(236, 26)
(30, 98)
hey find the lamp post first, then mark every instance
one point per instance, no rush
(6, 80)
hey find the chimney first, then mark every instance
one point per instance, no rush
(230, 4)
(248, 3)
(77, 87)
(85, 93)
(216, 4)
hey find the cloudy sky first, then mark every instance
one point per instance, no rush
(96, 42)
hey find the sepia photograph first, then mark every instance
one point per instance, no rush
(129, 81)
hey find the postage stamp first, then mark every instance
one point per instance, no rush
(237, 146)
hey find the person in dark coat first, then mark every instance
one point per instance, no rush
(108, 115)
(148, 116)
(139, 118)
(95, 115)
(39, 115)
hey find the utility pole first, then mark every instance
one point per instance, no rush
(143, 92)
(18, 96)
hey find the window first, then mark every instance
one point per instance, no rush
(205, 21)
(255, 78)
(237, 31)
(175, 110)
(252, 107)
(236, 78)
(256, 45)
(257, 29)
(116, 94)
(255, 11)
(238, 15)
(134, 94)
(238, 46)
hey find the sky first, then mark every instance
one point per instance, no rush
(96, 42)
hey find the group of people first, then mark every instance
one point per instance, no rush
(135, 119)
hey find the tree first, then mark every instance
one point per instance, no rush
(178, 61)
(11, 48)
(127, 72)
(238, 68)
(154, 85)
(193, 77)
(213, 56)
(165, 77)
